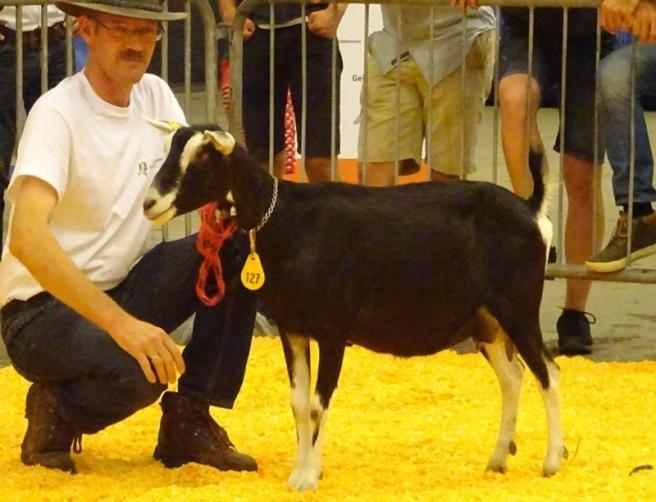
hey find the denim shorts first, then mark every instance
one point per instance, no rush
(546, 70)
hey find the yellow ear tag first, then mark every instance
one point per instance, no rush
(252, 275)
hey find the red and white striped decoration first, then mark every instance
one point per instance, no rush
(290, 135)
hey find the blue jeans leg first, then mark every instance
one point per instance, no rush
(615, 114)
(97, 382)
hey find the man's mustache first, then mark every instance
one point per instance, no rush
(133, 56)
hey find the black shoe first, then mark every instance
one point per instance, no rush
(188, 433)
(643, 243)
(49, 438)
(573, 329)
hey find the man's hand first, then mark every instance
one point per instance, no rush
(152, 348)
(324, 23)
(617, 14)
(464, 4)
(644, 22)
(2, 23)
(228, 11)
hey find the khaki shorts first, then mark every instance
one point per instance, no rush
(449, 124)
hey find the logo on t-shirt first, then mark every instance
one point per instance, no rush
(143, 168)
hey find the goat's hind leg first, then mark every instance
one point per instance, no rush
(502, 356)
(556, 449)
(297, 357)
(536, 356)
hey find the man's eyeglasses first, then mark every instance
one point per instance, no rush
(120, 32)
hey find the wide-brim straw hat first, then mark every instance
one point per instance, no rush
(139, 9)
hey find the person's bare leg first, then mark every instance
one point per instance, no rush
(512, 100)
(379, 174)
(440, 176)
(278, 165)
(584, 228)
(318, 169)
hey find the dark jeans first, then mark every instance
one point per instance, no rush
(31, 92)
(97, 382)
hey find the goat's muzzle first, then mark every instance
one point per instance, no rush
(157, 208)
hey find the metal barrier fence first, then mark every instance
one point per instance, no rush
(554, 270)
(214, 111)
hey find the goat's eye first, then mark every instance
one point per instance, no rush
(203, 156)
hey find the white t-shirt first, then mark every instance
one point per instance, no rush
(100, 159)
(31, 16)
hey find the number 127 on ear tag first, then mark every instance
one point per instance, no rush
(252, 275)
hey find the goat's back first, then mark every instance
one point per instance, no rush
(380, 265)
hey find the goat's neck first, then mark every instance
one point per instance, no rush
(252, 189)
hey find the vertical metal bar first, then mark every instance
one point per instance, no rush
(596, 164)
(187, 84)
(187, 59)
(43, 56)
(632, 153)
(397, 97)
(304, 175)
(431, 78)
(165, 75)
(364, 112)
(19, 69)
(235, 111)
(333, 109)
(70, 55)
(165, 44)
(495, 119)
(272, 58)
(463, 88)
(563, 111)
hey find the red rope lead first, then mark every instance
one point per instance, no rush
(211, 235)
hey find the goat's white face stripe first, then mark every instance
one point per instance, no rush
(189, 151)
(163, 210)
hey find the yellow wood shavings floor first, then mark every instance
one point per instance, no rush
(418, 429)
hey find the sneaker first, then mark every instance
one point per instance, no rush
(643, 243)
(573, 328)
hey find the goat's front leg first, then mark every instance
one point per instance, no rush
(509, 371)
(297, 357)
(330, 366)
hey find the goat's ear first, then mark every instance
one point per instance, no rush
(222, 141)
(167, 126)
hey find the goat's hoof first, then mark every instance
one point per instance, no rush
(550, 468)
(304, 480)
(496, 466)
(512, 448)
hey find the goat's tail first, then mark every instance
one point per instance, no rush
(539, 199)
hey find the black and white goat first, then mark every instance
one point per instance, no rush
(407, 270)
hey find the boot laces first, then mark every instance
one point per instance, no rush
(219, 432)
(622, 228)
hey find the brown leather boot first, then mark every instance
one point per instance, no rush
(188, 433)
(49, 438)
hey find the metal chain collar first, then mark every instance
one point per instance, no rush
(267, 215)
